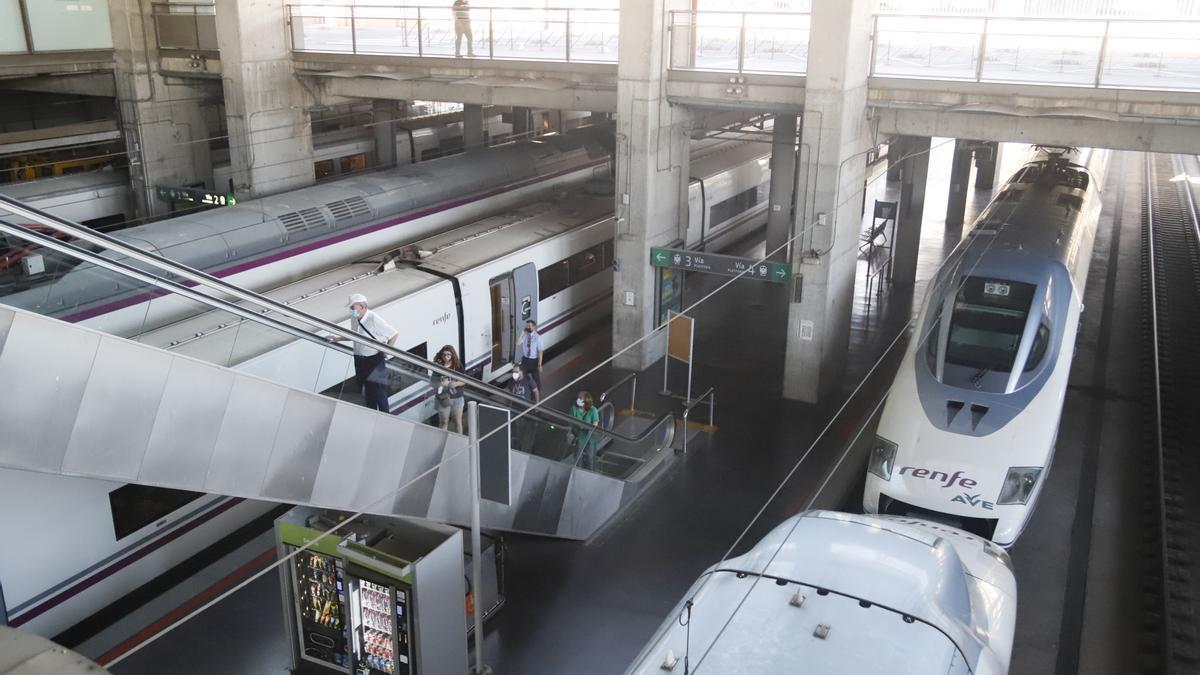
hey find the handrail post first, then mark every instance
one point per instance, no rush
(741, 54)
(195, 28)
(491, 34)
(712, 405)
(353, 32)
(420, 38)
(1103, 53)
(685, 428)
(567, 39)
(633, 396)
(982, 50)
(874, 43)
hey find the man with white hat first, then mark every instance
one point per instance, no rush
(369, 369)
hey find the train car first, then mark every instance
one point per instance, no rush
(260, 244)
(836, 593)
(967, 434)
(470, 287)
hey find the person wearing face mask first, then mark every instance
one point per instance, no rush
(584, 438)
(370, 372)
(530, 345)
(448, 393)
(524, 430)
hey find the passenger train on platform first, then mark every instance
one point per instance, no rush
(841, 594)
(91, 542)
(968, 431)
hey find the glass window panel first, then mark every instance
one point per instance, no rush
(12, 31)
(69, 24)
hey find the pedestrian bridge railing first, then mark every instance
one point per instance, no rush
(740, 42)
(1115, 53)
(573, 35)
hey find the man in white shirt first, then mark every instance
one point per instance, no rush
(369, 369)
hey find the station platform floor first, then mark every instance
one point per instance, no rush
(590, 607)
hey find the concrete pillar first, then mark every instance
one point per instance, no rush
(960, 179)
(987, 164)
(913, 178)
(783, 185)
(163, 123)
(520, 121)
(837, 135)
(473, 126)
(385, 113)
(896, 152)
(270, 134)
(652, 169)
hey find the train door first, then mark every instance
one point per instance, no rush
(514, 301)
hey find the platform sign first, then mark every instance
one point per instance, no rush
(192, 195)
(727, 265)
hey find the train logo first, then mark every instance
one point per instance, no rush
(947, 480)
(973, 500)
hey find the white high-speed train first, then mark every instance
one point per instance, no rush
(260, 244)
(91, 542)
(836, 593)
(968, 431)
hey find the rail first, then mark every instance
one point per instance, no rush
(180, 25)
(1150, 54)
(263, 304)
(740, 42)
(570, 35)
(631, 377)
(709, 394)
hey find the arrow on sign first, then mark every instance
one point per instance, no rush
(780, 272)
(660, 256)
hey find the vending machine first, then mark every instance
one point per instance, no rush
(356, 600)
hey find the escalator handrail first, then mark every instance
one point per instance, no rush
(206, 280)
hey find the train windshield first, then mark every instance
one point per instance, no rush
(988, 323)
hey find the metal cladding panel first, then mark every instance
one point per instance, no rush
(501, 516)
(350, 435)
(299, 443)
(188, 423)
(429, 447)
(590, 501)
(439, 588)
(540, 506)
(43, 371)
(239, 460)
(118, 410)
(388, 452)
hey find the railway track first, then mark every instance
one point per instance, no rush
(1171, 326)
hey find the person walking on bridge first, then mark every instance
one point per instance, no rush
(462, 27)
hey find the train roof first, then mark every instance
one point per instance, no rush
(33, 190)
(465, 248)
(839, 593)
(718, 159)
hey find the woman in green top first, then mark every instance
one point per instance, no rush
(584, 439)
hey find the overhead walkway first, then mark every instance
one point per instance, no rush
(84, 403)
(1044, 79)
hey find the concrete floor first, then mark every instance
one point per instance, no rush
(589, 608)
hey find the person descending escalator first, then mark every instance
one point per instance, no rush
(584, 438)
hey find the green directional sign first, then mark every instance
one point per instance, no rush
(727, 265)
(175, 194)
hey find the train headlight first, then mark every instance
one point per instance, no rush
(883, 458)
(1019, 484)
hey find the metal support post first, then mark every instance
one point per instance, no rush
(567, 39)
(491, 34)
(982, 50)
(420, 33)
(1103, 53)
(353, 32)
(476, 544)
(742, 45)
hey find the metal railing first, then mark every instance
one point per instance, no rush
(1057, 8)
(740, 42)
(571, 35)
(631, 377)
(180, 25)
(1127, 53)
(711, 395)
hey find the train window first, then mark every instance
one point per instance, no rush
(324, 168)
(586, 263)
(987, 323)
(554, 279)
(1040, 342)
(136, 506)
(1073, 202)
(735, 205)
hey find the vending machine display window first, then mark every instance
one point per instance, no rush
(319, 580)
(381, 631)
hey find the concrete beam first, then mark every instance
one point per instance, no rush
(98, 83)
(56, 63)
(1143, 136)
(421, 89)
(781, 94)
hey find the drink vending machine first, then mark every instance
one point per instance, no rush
(358, 598)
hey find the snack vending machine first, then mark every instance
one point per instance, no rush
(380, 627)
(321, 608)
